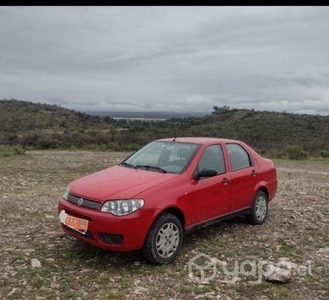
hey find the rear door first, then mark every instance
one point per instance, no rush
(244, 176)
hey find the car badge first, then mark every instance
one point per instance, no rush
(80, 201)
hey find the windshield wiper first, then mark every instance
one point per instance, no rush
(152, 167)
(128, 165)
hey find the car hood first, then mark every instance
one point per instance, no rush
(117, 183)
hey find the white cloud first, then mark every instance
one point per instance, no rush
(167, 58)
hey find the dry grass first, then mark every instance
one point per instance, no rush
(30, 185)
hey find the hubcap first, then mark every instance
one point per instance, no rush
(167, 240)
(261, 208)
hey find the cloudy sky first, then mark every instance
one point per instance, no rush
(184, 59)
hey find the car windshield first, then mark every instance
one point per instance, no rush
(160, 156)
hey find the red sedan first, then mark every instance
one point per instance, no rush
(166, 188)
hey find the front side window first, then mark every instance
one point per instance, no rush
(212, 158)
(172, 157)
(239, 157)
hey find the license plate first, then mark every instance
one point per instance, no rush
(78, 224)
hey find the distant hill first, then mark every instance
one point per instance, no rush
(46, 126)
(264, 130)
(145, 115)
(19, 116)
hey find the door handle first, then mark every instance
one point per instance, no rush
(254, 173)
(225, 181)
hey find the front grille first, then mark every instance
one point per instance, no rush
(110, 238)
(87, 235)
(84, 202)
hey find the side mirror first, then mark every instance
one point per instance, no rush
(205, 173)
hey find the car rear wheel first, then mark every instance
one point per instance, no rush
(164, 240)
(259, 209)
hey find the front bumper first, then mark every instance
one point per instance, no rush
(109, 232)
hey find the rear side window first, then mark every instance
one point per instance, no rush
(239, 157)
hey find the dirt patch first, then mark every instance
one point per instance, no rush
(39, 261)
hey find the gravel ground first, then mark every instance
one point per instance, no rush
(39, 261)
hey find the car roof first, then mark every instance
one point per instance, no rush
(198, 140)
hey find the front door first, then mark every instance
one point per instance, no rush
(211, 195)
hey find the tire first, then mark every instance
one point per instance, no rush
(259, 209)
(164, 240)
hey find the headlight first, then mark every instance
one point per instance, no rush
(66, 193)
(122, 207)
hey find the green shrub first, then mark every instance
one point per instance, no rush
(132, 147)
(324, 153)
(18, 150)
(6, 150)
(295, 153)
(273, 153)
(278, 154)
(114, 146)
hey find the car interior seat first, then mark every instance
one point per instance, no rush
(183, 153)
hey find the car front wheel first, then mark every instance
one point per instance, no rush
(259, 209)
(164, 240)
